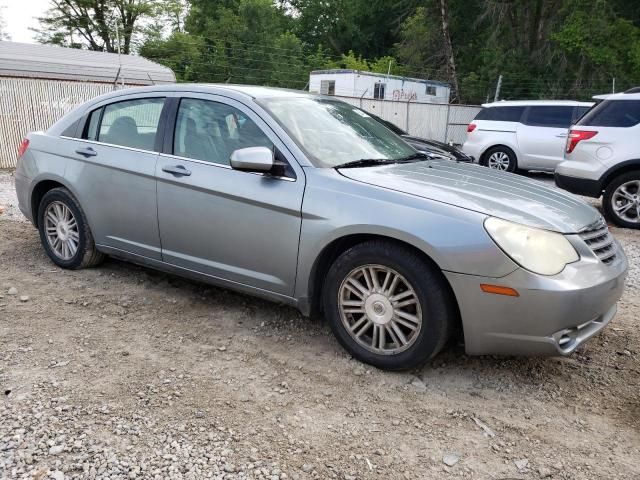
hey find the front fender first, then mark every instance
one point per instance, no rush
(453, 237)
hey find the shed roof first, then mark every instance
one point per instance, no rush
(340, 71)
(52, 62)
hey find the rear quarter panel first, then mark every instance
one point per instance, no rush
(489, 133)
(45, 159)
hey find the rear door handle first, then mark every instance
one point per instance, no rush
(562, 135)
(87, 152)
(178, 170)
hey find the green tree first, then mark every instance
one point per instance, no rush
(92, 23)
(368, 27)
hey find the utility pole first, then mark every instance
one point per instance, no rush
(119, 54)
(495, 99)
(613, 85)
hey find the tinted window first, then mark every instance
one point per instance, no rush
(132, 123)
(550, 116)
(91, 128)
(501, 114)
(580, 111)
(211, 131)
(613, 113)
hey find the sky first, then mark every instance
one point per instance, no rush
(20, 15)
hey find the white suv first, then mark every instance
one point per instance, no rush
(603, 156)
(525, 135)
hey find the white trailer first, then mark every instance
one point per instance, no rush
(378, 86)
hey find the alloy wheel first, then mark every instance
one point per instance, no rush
(380, 309)
(498, 161)
(625, 201)
(61, 229)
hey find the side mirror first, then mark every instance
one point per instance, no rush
(252, 159)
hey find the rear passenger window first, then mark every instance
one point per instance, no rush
(501, 114)
(550, 116)
(91, 128)
(132, 123)
(211, 131)
(613, 113)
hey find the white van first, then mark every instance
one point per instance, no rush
(525, 135)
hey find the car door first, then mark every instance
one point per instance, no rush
(113, 173)
(543, 135)
(237, 226)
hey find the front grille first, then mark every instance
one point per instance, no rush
(600, 241)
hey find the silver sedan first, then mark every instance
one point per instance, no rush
(309, 201)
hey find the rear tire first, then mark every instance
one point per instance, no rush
(407, 302)
(621, 200)
(64, 231)
(501, 158)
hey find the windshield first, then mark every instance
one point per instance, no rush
(334, 133)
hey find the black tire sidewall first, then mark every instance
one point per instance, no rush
(513, 161)
(608, 195)
(63, 196)
(425, 280)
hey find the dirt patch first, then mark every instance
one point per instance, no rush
(123, 372)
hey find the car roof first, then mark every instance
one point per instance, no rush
(243, 90)
(618, 96)
(527, 103)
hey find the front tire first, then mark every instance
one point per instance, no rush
(65, 232)
(621, 200)
(501, 158)
(387, 306)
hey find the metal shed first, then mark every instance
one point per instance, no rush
(40, 83)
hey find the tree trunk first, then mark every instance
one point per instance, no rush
(448, 49)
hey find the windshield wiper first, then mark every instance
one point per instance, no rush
(366, 162)
(371, 162)
(414, 156)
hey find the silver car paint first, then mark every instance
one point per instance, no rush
(499, 194)
(243, 227)
(265, 235)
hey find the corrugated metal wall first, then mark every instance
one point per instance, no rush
(445, 123)
(28, 105)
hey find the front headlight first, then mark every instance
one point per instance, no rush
(537, 250)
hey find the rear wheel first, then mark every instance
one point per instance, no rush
(621, 201)
(501, 158)
(387, 306)
(64, 231)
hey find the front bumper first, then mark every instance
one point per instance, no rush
(552, 316)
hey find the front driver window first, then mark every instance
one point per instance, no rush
(211, 131)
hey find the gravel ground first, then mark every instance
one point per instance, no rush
(123, 372)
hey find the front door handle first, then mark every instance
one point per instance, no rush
(87, 152)
(178, 170)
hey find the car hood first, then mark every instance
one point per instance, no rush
(480, 189)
